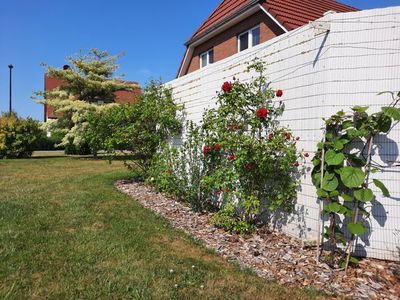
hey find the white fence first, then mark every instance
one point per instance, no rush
(322, 73)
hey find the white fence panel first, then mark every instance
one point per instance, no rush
(321, 74)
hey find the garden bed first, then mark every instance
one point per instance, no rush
(272, 254)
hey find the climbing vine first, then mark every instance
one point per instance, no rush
(343, 174)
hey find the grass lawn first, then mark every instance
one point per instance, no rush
(67, 233)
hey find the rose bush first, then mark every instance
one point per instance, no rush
(239, 162)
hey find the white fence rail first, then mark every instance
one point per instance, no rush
(322, 73)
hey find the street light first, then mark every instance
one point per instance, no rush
(10, 107)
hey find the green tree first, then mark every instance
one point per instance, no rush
(88, 80)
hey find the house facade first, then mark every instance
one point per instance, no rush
(237, 25)
(121, 97)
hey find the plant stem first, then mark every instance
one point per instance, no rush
(320, 238)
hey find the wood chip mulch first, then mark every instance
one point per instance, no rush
(272, 254)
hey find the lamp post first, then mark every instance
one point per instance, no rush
(10, 103)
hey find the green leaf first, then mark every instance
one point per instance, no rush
(347, 198)
(339, 144)
(347, 124)
(384, 123)
(316, 179)
(354, 260)
(334, 194)
(360, 108)
(333, 207)
(316, 161)
(374, 170)
(356, 161)
(392, 112)
(333, 158)
(352, 177)
(379, 184)
(357, 228)
(320, 145)
(364, 195)
(330, 183)
(322, 194)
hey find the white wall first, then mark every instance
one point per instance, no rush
(321, 74)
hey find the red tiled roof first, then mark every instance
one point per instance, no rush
(295, 13)
(290, 13)
(225, 9)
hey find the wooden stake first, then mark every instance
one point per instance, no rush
(320, 238)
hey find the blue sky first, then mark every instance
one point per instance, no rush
(151, 33)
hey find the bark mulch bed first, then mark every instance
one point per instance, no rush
(272, 254)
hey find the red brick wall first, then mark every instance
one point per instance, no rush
(225, 44)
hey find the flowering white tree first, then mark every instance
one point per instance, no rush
(88, 80)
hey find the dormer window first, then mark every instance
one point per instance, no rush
(207, 58)
(249, 39)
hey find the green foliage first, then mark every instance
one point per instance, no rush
(18, 137)
(347, 170)
(138, 130)
(239, 161)
(89, 79)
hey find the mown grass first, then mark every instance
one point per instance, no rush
(67, 233)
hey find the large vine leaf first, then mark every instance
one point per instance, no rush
(333, 158)
(333, 207)
(357, 228)
(352, 177)
(339, 144)
(322, 194)
(347, 198)
(384, 122)
(393, 112)
(379, 184)
(364, 195)
(330, 183)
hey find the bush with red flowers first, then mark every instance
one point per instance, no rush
(241, 148)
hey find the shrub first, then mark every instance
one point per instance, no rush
(138, 130)
(18, 137)
(239, 161)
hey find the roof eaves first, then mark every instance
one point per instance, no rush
(218, 24)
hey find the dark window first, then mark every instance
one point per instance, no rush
(244, 41)
(255, 33)
(211, 56)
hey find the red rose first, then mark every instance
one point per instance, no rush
(306, 155)
(217, 147)
(206, 149)
(227, 86)
(296, 164)
(232, 156)
(270, 136)
(279, 93)
(169, 171)
(262, 113)
(227, 190)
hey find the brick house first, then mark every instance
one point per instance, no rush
(237, 25)
(122, 97)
